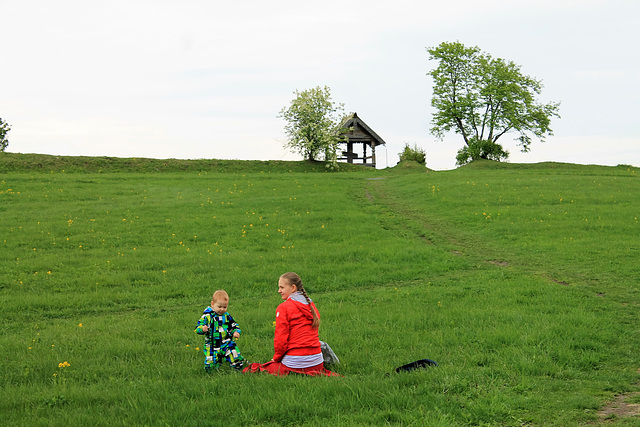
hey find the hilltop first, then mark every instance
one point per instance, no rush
(18, 162)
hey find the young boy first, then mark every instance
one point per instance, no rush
(220, 331)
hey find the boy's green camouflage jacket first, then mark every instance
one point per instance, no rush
(221, 327)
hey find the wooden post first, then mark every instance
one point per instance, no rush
(364, 153)
(373, 154)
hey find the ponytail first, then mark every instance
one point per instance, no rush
(294, 279)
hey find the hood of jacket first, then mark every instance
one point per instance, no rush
(301, 304)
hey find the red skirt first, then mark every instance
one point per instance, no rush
(277, 368)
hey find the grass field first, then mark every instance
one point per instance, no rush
(519, 280)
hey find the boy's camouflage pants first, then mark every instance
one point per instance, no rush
(227, 351)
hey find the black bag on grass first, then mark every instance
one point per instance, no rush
(422, 363)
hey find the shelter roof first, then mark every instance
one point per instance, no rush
(359, 131)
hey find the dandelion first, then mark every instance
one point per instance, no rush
(187, 345)
(64, 364)
(79, 325)
(197, 348)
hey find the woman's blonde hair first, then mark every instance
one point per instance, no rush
(294, 279)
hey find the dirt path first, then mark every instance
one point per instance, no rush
(620, 408)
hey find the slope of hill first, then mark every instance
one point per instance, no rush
(519, 280)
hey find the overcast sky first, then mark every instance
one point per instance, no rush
(206, 79)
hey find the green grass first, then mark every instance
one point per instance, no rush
(520, 280)
(18, 162)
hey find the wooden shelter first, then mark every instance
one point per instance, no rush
(357, 132)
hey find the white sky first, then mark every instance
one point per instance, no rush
(206, 79)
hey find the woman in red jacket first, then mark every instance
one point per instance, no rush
(296, 344)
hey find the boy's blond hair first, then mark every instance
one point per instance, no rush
(218, 295)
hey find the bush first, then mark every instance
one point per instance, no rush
(415, 154)
(480, 149)
(4, 129)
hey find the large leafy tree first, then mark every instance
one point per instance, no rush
(4, 130)
(483, 98)
(313, 122)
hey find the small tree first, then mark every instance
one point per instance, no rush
(4, 130)
(415, 154)
(482, 98)
(313, 121)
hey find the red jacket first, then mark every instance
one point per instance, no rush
(294, 334)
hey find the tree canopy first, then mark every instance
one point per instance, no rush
(483, 98)
(313, 121)
(4, 130)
